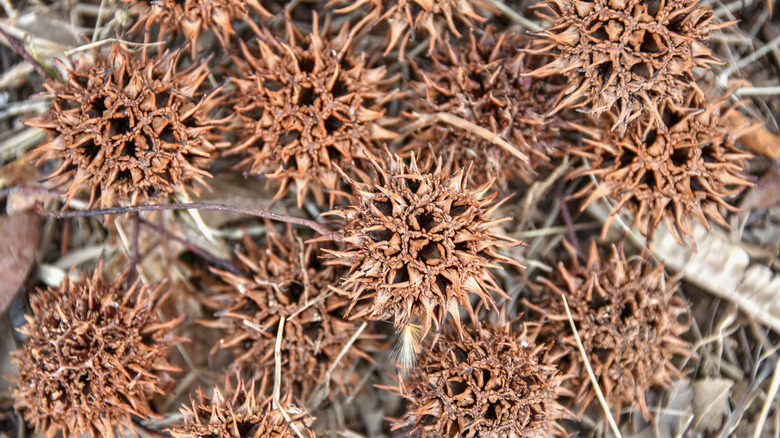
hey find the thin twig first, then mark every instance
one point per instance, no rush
(313, 225)
(278, 378)
(20, 50)
(591, 375)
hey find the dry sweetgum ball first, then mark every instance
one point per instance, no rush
(629, 320)
(303, 104)
(487, 382)
(128, 128)
(419, 242)
(687, 169)
(191, 17)
(629, 56)
(241, 411)
(483, 83)
(94, 357)
(285, 279)
(407, 17)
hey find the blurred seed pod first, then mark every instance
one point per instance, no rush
(285, 279)
(630, 322)
(304, 104)
(628, 56)
(241, 411)
(685, 170)
(406, 17)
(128, 128)
(418, 243)
(192, 17)
(483, 84)
(486, 382)
(95, 356)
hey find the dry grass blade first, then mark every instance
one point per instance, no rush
(593, 381)
(278, 379)
(427, 119)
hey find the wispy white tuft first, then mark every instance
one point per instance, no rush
(408, 346)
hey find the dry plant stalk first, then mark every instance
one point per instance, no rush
(629, 320)
(482, 83)
(241, 411)
(675, 173)
(628, 56)
(95, 356)
(418, 243)
(285, 279)
(406, 17)
(127, 128)
(304, 104)
(191, 17)
(487, 382)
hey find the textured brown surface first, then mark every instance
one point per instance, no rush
(304, 103)
(630, 322)
(488, 382)
(629, 56)
(275, 284)
(95, 356)
(238, 410)
(126, 128)
(419, 243)
(481, 82)
(685, 171)
(407, 17)
(192, 17)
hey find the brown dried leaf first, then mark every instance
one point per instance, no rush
(21, 235)
(759, 141)
(765, 194)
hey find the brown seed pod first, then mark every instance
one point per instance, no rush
(305, 104)
(94, 357)
(483, 84)
(406, 17)
(672, 174)
(419, 242)
(630, 55)
(629, 321)
(191, 17)
(285, 279)
(127, 128)
(487, 382)
(239, 411)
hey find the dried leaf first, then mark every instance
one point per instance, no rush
(760, 141)
(710, 403)
(21, 235)
(766, 193)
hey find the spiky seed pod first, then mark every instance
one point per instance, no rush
(94, 357)
(191, 17)
(238, 411)
(285, 279)
(305, 104)
(486, 382)
(406, 17)
(127, 128)
(482, 84)
(627, 55)
(419, 242)
(629, 321)
(675, 174)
